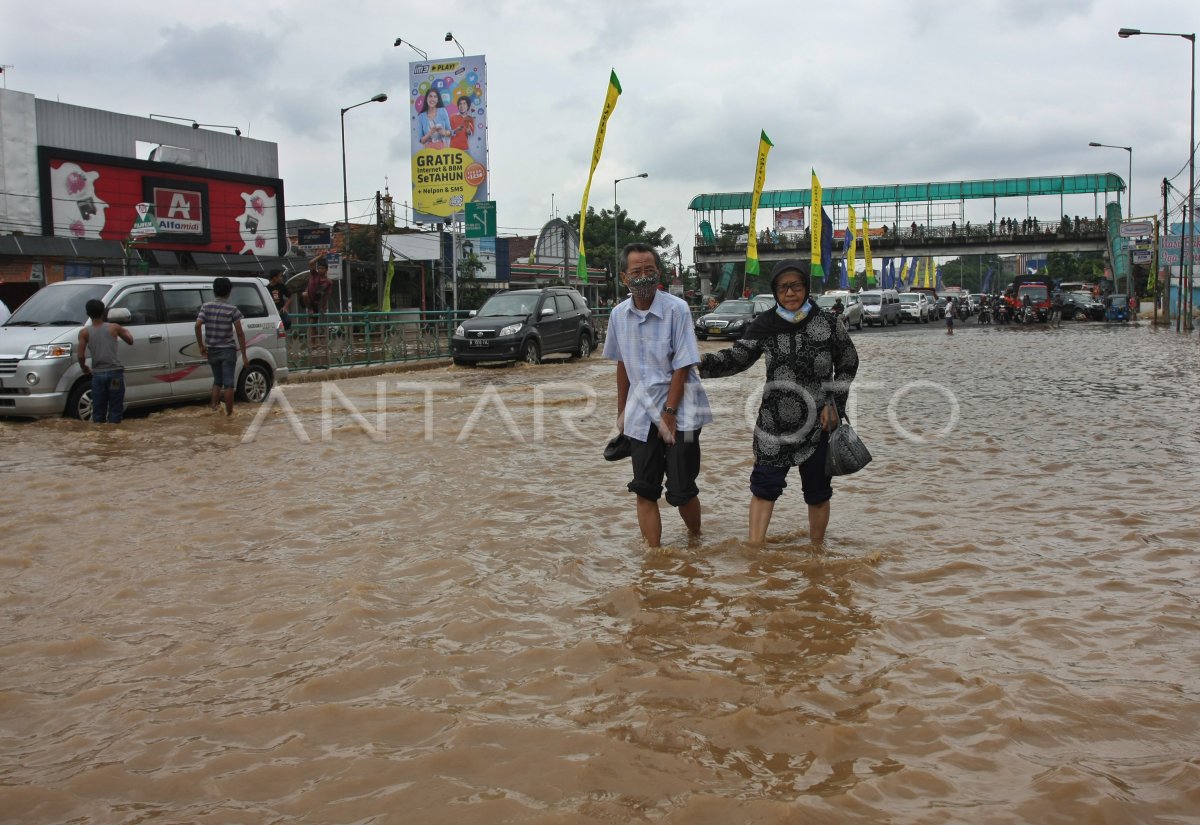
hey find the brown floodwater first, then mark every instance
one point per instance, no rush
(441, 612)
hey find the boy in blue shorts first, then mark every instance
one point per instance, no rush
(220, 321)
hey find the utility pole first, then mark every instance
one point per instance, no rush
(378, 250)
(1166, 186)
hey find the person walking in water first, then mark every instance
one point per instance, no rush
(99, 340)
(661, 405)
(216, 325)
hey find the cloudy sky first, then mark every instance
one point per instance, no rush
(865, 91)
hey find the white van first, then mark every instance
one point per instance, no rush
(39, 365)
(880, 306)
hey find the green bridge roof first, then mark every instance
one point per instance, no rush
(951, 190)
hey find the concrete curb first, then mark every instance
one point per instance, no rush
(311, 376)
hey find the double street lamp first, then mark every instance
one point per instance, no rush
(379, 98)
(1189, 220)
(616, 227)
(1129, 188)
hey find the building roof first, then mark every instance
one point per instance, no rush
(909, 192)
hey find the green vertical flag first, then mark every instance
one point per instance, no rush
(760, 177)
(387, 284)
(610, 103)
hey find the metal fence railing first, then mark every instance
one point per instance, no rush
(358, 339)
(361, 339)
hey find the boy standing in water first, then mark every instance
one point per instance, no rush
(220, 320)
(99, 339)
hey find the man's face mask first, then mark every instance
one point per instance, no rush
(642, 283)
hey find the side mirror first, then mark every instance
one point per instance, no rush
(547, 311)
(472, 313)
(119, 315)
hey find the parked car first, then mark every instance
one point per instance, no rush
(524, 325)
(880, 306)
(39, 368)
(730, 319)
(937, 309)
(1082, 306)
(914, 306)
(852, 312)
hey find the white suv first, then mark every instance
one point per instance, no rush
(39, 367)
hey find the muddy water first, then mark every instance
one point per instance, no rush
(381, 624)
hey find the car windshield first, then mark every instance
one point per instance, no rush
(506, 305)
(826, 301)
(735, 307)
(908, 298)
(61, 305)
(1035, 293)
(871, 300)
(1083, 296)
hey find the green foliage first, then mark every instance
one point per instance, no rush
(969, 271)
(598, 235)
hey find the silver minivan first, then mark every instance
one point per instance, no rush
(39, 366)
(880, 306)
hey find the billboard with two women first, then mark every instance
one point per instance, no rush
(448, 121)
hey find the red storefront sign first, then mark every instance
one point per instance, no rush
(198, 210)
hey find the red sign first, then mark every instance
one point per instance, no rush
(198, 210)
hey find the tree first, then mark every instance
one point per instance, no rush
(598, 235)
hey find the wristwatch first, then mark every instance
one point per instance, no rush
(671, 410)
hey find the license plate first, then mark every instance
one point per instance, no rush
(714, 330)
(480, 343)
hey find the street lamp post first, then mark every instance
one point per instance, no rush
(450, 38)
(616, 227)
(1189, 222)
(1128, 200)
(379, 98)
(1129, 188)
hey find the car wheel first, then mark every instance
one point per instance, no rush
(585, 346)
(530, 353)
(255, 383)
(79, 402)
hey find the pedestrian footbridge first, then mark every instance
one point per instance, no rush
(1028, 216)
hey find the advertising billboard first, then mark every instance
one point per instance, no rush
(86, 195)
(448, 124)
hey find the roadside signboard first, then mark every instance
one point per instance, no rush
(481, 219)
(334, 259)
(144, 225)
(1136, 229)
(313, 238)
(1142, 256)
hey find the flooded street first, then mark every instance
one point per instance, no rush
(442, 612)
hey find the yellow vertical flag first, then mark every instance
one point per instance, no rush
(760, 177)
(852, 247)
(930, 273)
(866, 236)
(818, 271)
(610, 103)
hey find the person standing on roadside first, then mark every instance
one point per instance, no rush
(99, 340)
(661, 405)
(951, 310)
(216, 325)
(281, 297)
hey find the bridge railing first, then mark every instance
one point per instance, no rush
(920, 235)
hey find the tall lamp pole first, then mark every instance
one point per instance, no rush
(379, 98)
(1189, 221)
(1128, 199)
(1129, 188)
(616, 227)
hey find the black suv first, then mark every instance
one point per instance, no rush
(524, 325)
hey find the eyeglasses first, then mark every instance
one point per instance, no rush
(791, 286)
(642, 273)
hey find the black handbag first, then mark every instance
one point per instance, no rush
(846, 454)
